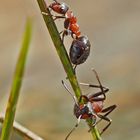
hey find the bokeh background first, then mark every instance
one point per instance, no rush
(45, 107)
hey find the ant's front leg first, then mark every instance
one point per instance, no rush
(84, 98)
(54, 17)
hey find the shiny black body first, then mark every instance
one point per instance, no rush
(79, 50)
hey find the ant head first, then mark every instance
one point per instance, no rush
(64, 8)
(81, 110)
(60, 8)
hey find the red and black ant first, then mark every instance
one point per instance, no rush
(70, 23)
(93, 106)
(80, 47)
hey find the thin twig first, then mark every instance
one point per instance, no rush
(22, 130)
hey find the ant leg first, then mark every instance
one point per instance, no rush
(58, 17)
(96, 96)
(55, 17)
(108, 110)
(64, 33)
(85, 98)
(46, 14)
(78, 121)
(74, 68)
(106, 119)
(103, 89)
(91, 85)
(61, 32)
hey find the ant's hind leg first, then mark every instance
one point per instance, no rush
(107, 111)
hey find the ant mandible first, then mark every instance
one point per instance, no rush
(93, 106)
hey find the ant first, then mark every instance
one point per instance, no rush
(80, 47)
(93, 106)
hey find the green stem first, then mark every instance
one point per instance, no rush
(21, 130)
(60, 47)
(16, 85)
(62, 53)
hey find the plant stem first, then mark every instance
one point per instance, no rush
(26, 133)
(16, 85)
(62, 53)
(60, 47)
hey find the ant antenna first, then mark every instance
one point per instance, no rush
(74, 98)
(97, 77)
(76, 125)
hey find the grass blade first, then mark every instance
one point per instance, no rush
(16, 85)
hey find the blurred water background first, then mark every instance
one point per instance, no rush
(45, 107)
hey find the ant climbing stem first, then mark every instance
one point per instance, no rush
(76, 103)
(80, 47)
(93, 106)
